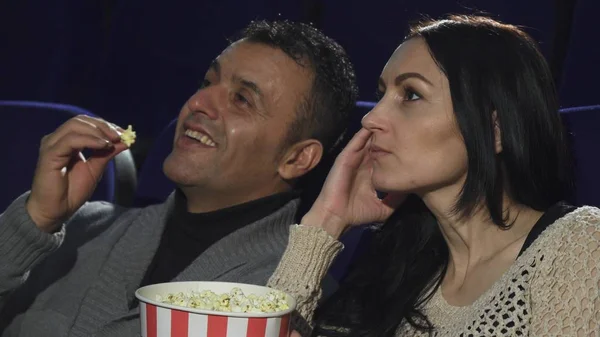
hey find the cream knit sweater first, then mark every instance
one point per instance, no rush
(552, 289)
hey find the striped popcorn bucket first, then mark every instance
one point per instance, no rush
(167, 320)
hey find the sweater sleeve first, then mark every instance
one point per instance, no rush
(567, 301)
(308, 256)
(22, 246)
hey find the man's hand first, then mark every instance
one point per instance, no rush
(63, 178)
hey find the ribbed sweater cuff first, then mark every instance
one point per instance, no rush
(22, 244)
(308, 256)
(315, 251)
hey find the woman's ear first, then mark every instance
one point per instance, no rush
(497, 133)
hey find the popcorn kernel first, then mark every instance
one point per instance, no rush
(234, 301)
(128, 136)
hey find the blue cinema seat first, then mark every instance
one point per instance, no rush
(583, 123)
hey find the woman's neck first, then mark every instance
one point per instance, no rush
(476, 238)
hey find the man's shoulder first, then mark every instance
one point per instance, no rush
(96, 213)
(96, 217)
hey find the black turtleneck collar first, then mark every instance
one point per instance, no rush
(233, 217)
(187, 234)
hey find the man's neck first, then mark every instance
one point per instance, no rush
(204, 201)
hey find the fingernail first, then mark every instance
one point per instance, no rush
(116, 127)
(105, 142)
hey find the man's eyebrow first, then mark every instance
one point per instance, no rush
(250, 85)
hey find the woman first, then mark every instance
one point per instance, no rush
(468, 129)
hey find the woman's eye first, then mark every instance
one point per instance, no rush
(411, 95)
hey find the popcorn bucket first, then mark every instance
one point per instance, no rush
(160, 319)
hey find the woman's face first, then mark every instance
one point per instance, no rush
(416, 144)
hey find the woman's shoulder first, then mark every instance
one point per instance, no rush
(584, 213)
(571, 243)
(582, 224)
(564, 289)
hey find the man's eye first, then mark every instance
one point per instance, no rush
(240, 98)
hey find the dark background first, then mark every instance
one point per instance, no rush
(137, 61)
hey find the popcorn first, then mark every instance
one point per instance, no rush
(128, 136)
(234, 301)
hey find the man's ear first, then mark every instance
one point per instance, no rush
(497, 133)
(300, 159)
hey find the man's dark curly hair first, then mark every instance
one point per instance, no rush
(324, 113)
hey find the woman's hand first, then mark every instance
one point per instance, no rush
(348, 196)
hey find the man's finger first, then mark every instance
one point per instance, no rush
(74, 142)
(110, 130)
(99, 158)
(74, 125)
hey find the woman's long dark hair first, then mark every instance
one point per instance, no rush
(496, 75)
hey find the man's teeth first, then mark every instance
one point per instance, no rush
(202, 138)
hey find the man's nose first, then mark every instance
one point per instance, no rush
(206, 101)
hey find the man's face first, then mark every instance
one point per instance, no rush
(230, 133)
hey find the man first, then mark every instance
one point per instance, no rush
(270, 106)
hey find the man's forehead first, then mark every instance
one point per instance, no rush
(241, 51)
(257, 55)
(265, 65)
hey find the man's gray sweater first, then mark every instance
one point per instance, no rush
(81, 281)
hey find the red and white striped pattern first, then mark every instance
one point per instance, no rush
(165, 322)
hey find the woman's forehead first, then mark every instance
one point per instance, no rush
(412, 56)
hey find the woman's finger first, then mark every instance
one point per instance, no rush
(359, 140)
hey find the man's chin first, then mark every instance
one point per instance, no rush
(182, 173)
(175, 171)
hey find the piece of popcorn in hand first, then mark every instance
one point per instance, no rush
(128, 136)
